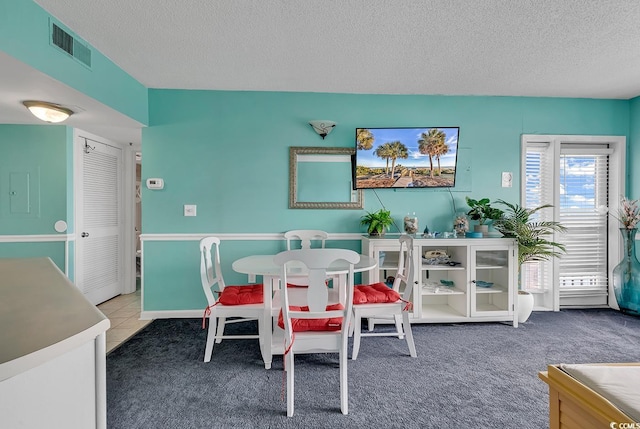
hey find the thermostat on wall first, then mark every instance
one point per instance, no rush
(155, 184)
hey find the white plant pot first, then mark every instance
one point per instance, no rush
(525, 306)
(484, 229)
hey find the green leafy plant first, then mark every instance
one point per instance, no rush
(532, 237)
(482, 211)
(377, 222)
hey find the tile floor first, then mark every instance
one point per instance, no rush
(124, 313)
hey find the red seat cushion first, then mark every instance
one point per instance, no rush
(377, 293)
(241, 295)
(295, 285)
(301, 325)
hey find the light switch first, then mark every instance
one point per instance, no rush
(507, 179)
(190, 210)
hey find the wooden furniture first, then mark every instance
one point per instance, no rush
(52, 350)
(476, 283)
(574, 405)
(396, 310)
(246, 303)
(303, 308)
(264, 265)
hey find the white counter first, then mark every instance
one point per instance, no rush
(52, 349)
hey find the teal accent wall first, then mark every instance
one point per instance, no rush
(43, 152)
(42, 149)
(633, 154)
(24, 34)
(227, 152)
(53, 250)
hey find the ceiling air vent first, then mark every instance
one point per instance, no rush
(70, 45)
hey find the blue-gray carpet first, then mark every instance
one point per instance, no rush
(476, 375)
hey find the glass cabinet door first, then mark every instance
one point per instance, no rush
(491, 281)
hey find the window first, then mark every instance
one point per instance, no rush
(582, 177)
(584, 202)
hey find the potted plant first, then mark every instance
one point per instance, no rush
(377, 222)
(482, 212)
(533, 243)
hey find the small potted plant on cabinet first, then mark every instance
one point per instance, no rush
(482, 212)
(377, 222)
(533, 244)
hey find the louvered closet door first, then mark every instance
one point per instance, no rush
(98, 235)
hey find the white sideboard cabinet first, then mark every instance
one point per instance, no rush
(478, 284)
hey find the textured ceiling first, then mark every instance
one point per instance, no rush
(551, 48)
(556, 48)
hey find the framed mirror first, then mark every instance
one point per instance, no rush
(320, 178)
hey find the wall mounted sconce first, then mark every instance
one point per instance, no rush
(48, 112)
(322, 127)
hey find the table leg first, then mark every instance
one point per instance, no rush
(266, 346)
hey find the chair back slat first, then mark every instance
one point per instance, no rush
(306, 236)
(406, 269)
(210, 271)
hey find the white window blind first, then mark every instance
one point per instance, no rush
(581, 176)
(537, 276)
(584, 201)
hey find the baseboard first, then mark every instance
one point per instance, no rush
(171, 314)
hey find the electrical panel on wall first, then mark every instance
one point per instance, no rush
(19, 192)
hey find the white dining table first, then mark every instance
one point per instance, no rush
(264, 265)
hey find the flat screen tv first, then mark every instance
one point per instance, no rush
(405, 157)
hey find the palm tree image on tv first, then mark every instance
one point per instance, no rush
(406, 157)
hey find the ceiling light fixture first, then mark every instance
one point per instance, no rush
(48, 112)
(322, 127)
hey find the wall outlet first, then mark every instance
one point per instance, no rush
(507, 179)
(189, 210)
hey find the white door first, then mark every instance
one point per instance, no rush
(99, 201)
(582, 177)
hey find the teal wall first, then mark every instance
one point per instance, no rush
(41, 149)
(227, 152)
(45, 153)
(633, 154)
(24, 34)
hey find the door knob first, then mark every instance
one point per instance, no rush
(84, 234)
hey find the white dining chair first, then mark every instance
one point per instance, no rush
(303, 238)
(313, 318)
(380, 301)
(241, 302)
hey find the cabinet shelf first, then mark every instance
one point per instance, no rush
(391, 265)
(427, 267)
(492, 289)
(426, 290)
(490, 267)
